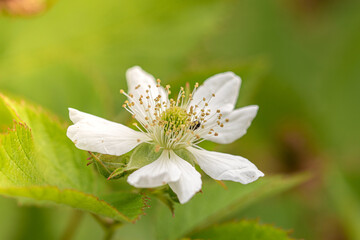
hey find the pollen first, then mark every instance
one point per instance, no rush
(172, 123)
(175, 118)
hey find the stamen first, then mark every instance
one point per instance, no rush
(172, 124)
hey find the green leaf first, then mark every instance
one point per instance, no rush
(117, 173)
(216, 204)
(40, 165)
(109, 165)
(186, 155)
(247, 230)
(144, 154)
(344, 199)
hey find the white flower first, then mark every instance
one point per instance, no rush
(206, 114)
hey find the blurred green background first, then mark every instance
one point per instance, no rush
(299, 61)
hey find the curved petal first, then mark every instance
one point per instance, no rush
(160, 172)
(141, 83)
(235, 125)
(96, 134)
(226, 88)
(190, 180)
(221, 166)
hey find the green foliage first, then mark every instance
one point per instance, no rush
(345, 201)
(111, 167)
(247, 230)
(215, 204)
(186, 155)
(39, 165)
(310, 54)
(144, 154)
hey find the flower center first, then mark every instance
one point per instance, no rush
(172, 123)
(175, 119)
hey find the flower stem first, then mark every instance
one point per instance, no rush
(73, 225)
(109, 226)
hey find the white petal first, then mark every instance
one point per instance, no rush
(190, 180)
(221, 166)
(160, 172)
(96, 134)
(239, 121)
(226, 88)
(139, 82)
(135, 76)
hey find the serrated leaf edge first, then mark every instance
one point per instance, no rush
(34, 188)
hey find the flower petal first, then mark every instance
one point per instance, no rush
(226, 88)
(239, 121)
(160, 172)
(96, 134)
(221, 166)
(190, 180)
(139, 82)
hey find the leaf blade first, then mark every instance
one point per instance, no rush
(41, 166)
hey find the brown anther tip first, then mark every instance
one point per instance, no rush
(138, 140)
(216, 134)
(227, 120)
(213, 94)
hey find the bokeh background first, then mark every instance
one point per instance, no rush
(299, 61)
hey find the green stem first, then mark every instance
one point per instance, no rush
(109, 234)
(73, 225)
(109, 226)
